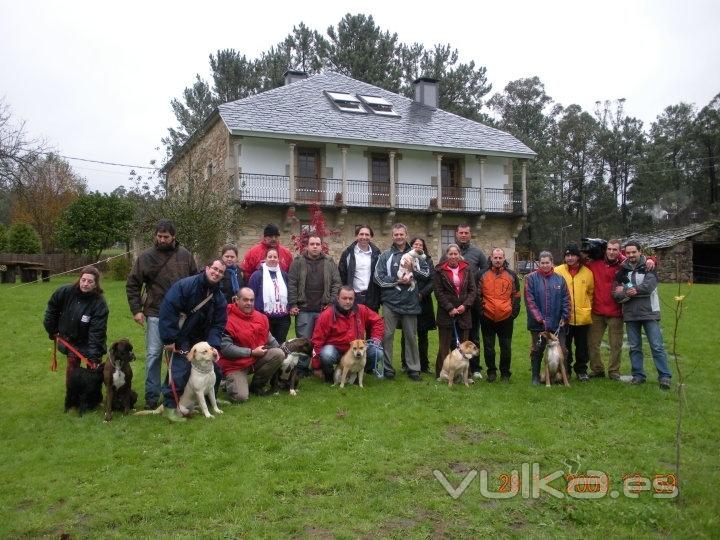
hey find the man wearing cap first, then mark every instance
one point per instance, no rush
(581, 284)
(256, 254)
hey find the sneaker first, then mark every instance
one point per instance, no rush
(583, 377)
(637, 380)
(389, 374)
(174, 416)
(664, 383)
(598, 375)
(151, 405)
(491, 376)
(477, 375)
(505, 378)
(614, 376)
(414, 376)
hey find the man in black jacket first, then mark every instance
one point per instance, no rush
(357, 266)
(153, 273)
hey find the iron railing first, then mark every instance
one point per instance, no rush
(275, 189)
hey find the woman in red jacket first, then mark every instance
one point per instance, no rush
(455, 293)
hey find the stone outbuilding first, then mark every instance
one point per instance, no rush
(690, 253)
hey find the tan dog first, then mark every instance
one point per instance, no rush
(201, 382)
(352, 363)
(554, 365)
(457, 363)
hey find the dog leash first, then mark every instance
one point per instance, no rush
(53, 366)
(169, 358)
(457, 337)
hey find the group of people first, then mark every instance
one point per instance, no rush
(244, 308)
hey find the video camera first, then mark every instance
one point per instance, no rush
(594, 247)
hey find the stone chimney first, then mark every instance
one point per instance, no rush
(292, 75)
(426, 91)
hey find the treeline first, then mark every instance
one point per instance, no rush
(597, 173)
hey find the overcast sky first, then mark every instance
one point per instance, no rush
(95, 78)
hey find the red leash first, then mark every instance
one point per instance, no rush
(169, 358)
(53, 367)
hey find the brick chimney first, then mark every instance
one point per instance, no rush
(292, 75)
(426, 91)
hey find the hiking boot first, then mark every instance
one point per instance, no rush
(505, 378)
(583, 377)
(598, 375)
(414, 376)
(664, 383)
(174, 416)
(536, 381)
(614, 376)
(491, 376)
(637, 380)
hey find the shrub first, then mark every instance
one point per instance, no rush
(22, 238)
(119, 268)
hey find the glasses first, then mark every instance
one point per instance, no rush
(218, 270)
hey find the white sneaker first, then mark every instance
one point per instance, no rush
(477, 375)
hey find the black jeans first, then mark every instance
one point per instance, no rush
(474, 336)
(279, 327)
(578, 334)
(504, 331)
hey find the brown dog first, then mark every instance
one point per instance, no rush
(457, 363)
(554, 361)
(352, 363)
(117, 376)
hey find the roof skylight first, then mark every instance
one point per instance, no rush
(379, 105)
(346, 102)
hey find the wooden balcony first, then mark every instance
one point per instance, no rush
(328, 192)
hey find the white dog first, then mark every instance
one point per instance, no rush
(202, 381)
(409, 263)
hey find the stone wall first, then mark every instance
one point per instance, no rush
(679, 256)
(208, 156)
(487, 233)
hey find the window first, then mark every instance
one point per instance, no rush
(379, 105)
(447, 237)
(346, 102)
(380, 179)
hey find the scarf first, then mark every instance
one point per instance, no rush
(234, 283)
(274, 292)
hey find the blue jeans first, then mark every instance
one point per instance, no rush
(305, 323)
(654, 336)
(153, 358)
(330, 356)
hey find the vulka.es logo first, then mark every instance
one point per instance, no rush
(529, 484)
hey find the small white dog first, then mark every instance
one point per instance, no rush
(409, 263)
(201, 382)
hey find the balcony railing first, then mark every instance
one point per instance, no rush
(275, 189)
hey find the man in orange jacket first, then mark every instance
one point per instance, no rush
(499, 296)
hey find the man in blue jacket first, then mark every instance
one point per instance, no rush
(548, 308)
(193, 310)
(399, 302)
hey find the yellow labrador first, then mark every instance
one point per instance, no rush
(457, 363)
(201, 382)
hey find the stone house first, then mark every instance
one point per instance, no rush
(365, 156)
(690, 253)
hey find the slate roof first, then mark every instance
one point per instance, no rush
(671, 237)
(302, 110)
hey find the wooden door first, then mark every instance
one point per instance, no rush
(451, 185)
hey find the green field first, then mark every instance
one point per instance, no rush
(358, 462)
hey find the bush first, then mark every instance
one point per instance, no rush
(119, 268)
(22, 238)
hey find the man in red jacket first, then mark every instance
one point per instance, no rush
(247, 345)
(340, 323)
(256, 254)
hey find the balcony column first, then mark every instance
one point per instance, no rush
(291, 173)
(391, 161)
(439, 181)
(524, 186)
(343, 152)
(481, 161)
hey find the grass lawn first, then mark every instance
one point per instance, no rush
(354, 463)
